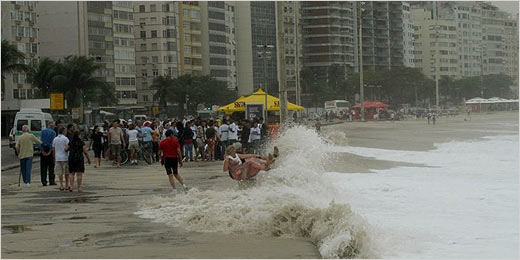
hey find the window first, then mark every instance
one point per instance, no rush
(169, 33)
(152, 8)
(186, 12)
(123, 15)
(143, 34)
(15, 78)
(141, 9)
(143, 46)
(187, 60)
(36, 125)
(155, 72)
(144, 73)
(154, 34)
(187, 37)
(195, 14)
(123, 54)
(169, 59)
(16, 94)
(124, 28)
(154, 46)
(125, 81)
(21, 123)
(187, 49)
(186, 25)
(124, 42)
(144, 60)
(171, 46)
(145, 98)
(155, 59)
(166, 8)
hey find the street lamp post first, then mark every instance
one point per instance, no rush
(361, 89)
(265, 55)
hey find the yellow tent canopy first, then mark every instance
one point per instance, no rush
(273, 103)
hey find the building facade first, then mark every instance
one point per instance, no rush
(156, 47)
(20, 24)
(218, 41)
(124, 52)
(190, 42)
(329, 35)
(493, 39)
(292, 47)
(387, 35)
(436, 52)
(101, 30)
(511, 48)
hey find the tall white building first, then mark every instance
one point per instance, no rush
(156, 46)
(124, 51)
(20, 24)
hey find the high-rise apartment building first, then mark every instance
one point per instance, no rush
(493, 39)
(436, 52)
(218, 41)
(511, 48)
(329, 35)
(292, 46)
(387, 35)
(190, 42)
(20, 24)
(124, 51)
(156, 47)
(101, 30)
(255, 28)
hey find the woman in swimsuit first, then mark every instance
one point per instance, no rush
(250, 168)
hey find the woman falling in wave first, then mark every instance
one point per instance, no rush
(253, 164)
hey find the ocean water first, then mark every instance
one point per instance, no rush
(462, 206)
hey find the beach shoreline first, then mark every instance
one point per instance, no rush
(42, 222)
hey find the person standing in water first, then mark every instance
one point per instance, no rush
(171, 156)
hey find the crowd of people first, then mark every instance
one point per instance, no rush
(170, 142)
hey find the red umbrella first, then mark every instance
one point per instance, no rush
(372, 104)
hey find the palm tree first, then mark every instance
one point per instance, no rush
(10, 61)
(76, 79)
(163, 85)
(43, 75)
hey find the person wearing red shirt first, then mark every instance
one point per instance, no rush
(170, 152)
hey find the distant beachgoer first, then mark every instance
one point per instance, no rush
(318, 126)
(96, 142)
(117, 141)
(250, 168)
(171, 156)
(46, 158)
(24, 147)
(210, 139)
(76, 149)
(62, 156)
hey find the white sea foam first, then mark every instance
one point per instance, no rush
(292, 200)
(464, 205)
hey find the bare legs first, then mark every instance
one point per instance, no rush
(172, 181)
(71, 181)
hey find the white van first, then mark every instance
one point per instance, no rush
(140, 117)
(35, 119)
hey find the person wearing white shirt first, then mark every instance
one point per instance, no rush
(133, 143)
(61, 156)
(233, 133)
(254, 136)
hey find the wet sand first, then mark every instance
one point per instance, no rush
(42, 222)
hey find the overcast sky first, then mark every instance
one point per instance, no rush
(509, 6)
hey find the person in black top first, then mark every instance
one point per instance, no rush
(96, 142)
(244, 135)
(180, 137)
(76, 149)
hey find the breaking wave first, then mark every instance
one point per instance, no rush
(292, 200)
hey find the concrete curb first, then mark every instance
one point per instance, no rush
(16, 165)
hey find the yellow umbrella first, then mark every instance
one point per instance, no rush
(230, 108)
(273, 103)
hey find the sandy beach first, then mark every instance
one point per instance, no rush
(42, 222)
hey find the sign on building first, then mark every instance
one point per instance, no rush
(75, 113)
(57, 101)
